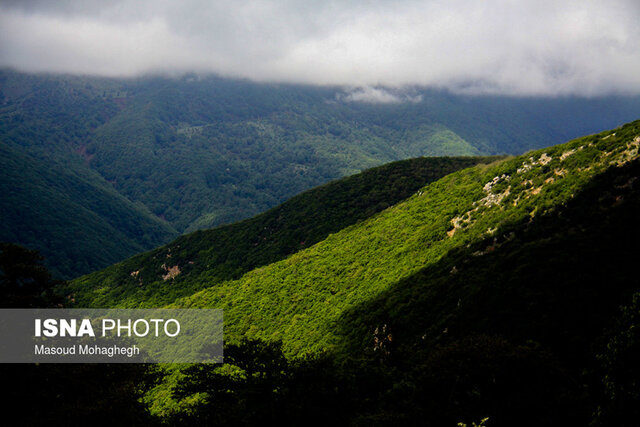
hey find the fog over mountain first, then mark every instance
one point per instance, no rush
(501, 47)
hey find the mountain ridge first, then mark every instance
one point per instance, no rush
(226, 252)
(357, 262)
(473, 197)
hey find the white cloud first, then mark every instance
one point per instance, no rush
(377, 95)
(524, 47)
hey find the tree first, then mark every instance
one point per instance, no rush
(247, 389)
(620, 403)
(24, 281)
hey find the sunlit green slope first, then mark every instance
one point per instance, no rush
(301, 299)
(200, 259)
(499, 284)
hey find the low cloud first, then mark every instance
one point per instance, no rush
(540, 47)
(377, 95)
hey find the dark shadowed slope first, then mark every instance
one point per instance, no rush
(75, 219)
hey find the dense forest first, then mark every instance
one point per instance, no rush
(503, 292)
(98, 169)
(227, 252)
(289, 213)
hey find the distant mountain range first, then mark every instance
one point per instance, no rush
(96, 169)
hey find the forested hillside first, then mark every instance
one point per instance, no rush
(196, 260)
(301, 299)
(494, 291)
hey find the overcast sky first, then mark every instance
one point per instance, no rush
(499, 46)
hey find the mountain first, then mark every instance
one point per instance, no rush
(302, 298)
(494, 291)
(197, 152)
(227, 252)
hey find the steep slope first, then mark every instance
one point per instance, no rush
(196, 260)
(75, 219)
(301, 300)
(492, 292)
(204, 151)
(488, 293)
(519, 322)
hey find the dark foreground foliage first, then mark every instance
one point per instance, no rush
(59, 394)
(24, 281)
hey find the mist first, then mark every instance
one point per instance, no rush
(503, 47)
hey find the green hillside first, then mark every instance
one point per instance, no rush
(52, 200)
(519, 320)
(494, 291)
(196, 260)
(300, 300)
(201, 152)
(198, 172)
